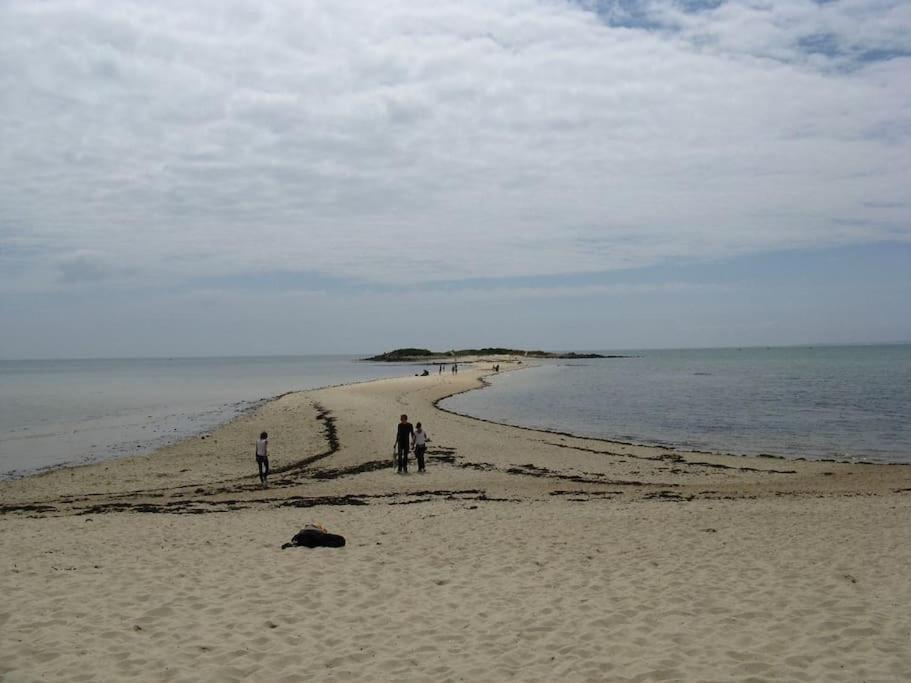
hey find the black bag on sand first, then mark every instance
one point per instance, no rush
(315, 537)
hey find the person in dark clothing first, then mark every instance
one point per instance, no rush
(402, 444)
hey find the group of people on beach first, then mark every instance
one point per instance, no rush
(407, 438)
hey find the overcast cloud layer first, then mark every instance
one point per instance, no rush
(395, 144)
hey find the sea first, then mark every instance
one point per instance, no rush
(821, 402)
(64, 412)
(839, 402)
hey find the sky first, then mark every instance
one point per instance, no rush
(240, 177)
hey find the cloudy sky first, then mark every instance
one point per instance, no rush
(202, 177)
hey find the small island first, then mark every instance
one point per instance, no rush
(411, 355)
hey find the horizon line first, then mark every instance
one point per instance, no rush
(357, 356)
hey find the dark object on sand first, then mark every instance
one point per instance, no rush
(314, 536)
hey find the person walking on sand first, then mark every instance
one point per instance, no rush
(262, 458)
(403, 435)
(420, 439)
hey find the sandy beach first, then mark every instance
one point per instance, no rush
(520, 555)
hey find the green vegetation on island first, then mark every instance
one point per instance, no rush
(406, 355)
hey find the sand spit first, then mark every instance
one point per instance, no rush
(520, 555)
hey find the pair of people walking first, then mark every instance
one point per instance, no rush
(406, 438)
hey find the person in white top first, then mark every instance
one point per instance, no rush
(262, 458)
(419, 441)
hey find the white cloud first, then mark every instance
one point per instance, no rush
(413, 141)
(84, 267)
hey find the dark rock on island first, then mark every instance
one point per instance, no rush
(407, 355)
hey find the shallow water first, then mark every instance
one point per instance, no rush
(72, 411)
(826, 402)
(845, 402)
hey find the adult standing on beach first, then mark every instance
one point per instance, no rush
(262, 458)
(420, 439)
(403, 435)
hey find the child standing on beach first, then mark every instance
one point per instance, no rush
(420, 440)
(262, 458)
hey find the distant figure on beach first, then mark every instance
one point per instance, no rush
(455, 368)
(425, 373)
(403, 435)
(441, 369)
(420, 439)
(262, 458)
(496, 368)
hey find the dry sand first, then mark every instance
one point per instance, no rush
(520, 554)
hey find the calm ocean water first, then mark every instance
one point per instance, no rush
(825, 402)
(74, 411)
(845, 402)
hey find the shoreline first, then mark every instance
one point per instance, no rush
(672, 447)
(329, 441)
(249, 408)
(246, 406)
(252, 406)
(161, 442)
(662, 446)
(197, 427)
